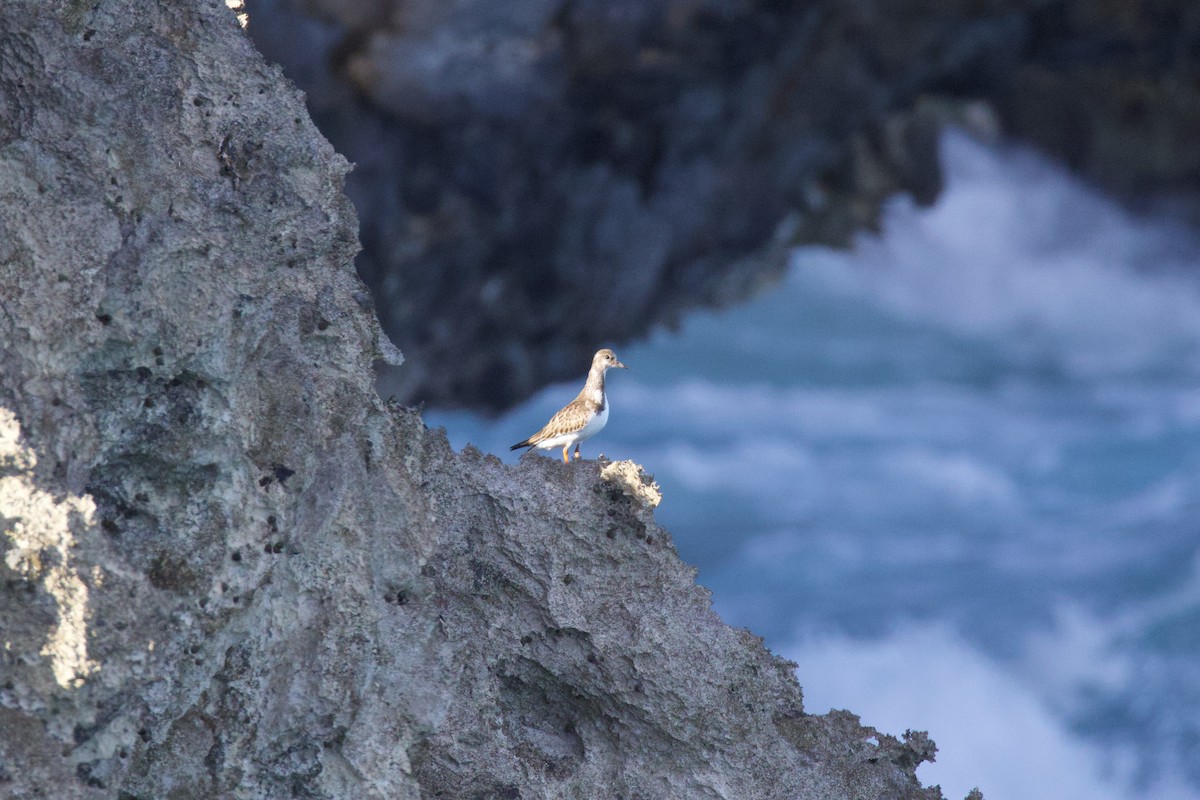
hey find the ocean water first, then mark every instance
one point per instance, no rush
(954, 473)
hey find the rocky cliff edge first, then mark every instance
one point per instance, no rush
(229, 570)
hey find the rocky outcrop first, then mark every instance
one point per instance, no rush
(229, 570)
(539, 176)
(1112, 89)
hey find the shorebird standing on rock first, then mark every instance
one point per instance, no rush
(583, 417)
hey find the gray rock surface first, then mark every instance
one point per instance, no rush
(229, 571)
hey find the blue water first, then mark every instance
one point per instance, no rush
(955, 474)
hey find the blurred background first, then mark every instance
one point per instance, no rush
(910, 290)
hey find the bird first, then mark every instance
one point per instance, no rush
(583, 417)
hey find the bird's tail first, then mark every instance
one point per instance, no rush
(519, 445)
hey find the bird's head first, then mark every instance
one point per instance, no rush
(606, 359)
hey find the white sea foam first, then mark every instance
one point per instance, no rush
(991, 731)
(1017, 250)
(998, 726)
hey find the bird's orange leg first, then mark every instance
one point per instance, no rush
(565, 449)
(576, 452)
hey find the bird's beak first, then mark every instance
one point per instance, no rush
(619, 365)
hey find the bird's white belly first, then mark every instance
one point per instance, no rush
(594, 426)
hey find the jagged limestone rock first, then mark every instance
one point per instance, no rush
(229, 571)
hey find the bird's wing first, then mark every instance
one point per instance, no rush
(570, 418)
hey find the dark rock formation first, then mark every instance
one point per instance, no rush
(1113, 89)
(540, 176)
(535, 178)
(229, 571)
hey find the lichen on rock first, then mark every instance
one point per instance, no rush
(40, 549)
(633, 481)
